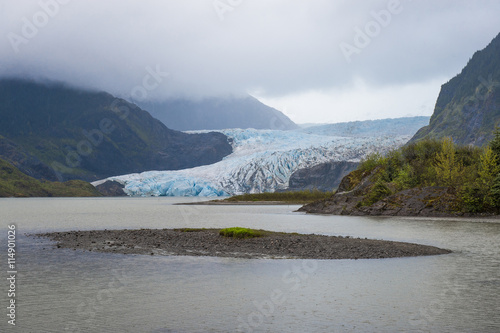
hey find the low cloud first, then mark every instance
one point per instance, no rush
(275, 49)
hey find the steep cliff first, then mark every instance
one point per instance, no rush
(468, 106)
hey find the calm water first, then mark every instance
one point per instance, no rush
(62, 290)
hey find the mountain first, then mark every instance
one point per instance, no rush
(14, 183)
(367, 128)
(218, 113)
(468, 106)
(262, 161)
(54, 132)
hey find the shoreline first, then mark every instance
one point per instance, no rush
(208, 242)
(240, 203)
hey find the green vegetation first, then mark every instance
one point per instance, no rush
(298, 197)
(472, 173)
(467, 107)
(238, 232)
(14, 183)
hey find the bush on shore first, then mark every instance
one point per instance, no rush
(473, 172)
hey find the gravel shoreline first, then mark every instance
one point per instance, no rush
(208, 242)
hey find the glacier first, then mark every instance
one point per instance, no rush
(261, 161)
(370, 128)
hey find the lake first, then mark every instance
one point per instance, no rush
(62, 290)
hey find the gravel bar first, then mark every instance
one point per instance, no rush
(208, 242)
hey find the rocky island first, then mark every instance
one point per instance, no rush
(225, 243)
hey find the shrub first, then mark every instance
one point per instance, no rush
(394, 162)
(472, 198)
(377, 192)
(370, 162)
(238, 232)
(405, 178)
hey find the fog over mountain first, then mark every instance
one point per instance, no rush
(57, 133)
(217, 113)
(317, 61)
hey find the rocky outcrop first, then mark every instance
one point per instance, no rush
(348, 197)
(111, 188)
(426, 201)
(351, 195)
(324, 176)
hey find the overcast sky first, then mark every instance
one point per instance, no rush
(315, 60)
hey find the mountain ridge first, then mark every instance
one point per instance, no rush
(468, 106)
(217, 113)
(376, 127)
(81, 134)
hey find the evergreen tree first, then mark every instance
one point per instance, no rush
(495, 192)
(495, 143)
(449, 171)
(488, 167)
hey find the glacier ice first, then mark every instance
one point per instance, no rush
(262, 161)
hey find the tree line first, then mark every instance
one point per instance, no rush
(472, 172)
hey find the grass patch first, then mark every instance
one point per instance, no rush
(238, 232)
(299, 197)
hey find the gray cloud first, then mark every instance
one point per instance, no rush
(276, 47)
